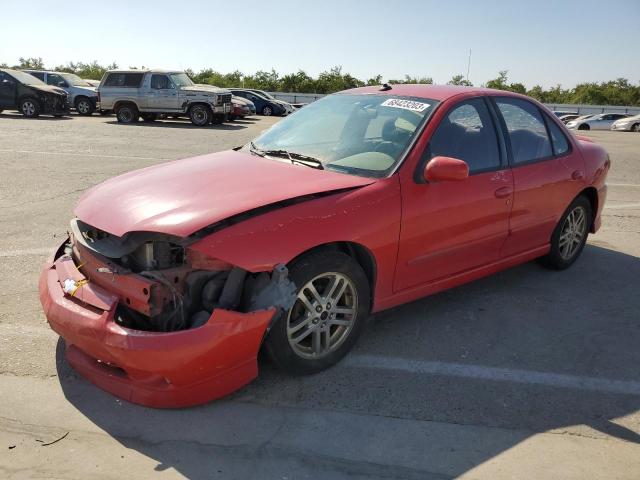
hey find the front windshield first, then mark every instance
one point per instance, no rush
(75, 80)
(26, 78)
(265, 94)
(358, 134)
(181, 79)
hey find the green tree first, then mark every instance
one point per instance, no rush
(31, 63)
(460, 80)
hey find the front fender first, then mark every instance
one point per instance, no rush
(369, 216)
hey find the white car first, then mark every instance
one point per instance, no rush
(629, 124)
(602, 121)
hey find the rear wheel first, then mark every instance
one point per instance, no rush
(127, 114)
(634, 128)
(200, 115)
(570, 235)
(30, 107)
(84, 106)
(327, 317)
(267, 111)
(584, 126)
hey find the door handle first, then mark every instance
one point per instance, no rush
(503, 192)
(577, 175)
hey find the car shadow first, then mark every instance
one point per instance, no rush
(44, 116)
(176, 123)
(591, 335)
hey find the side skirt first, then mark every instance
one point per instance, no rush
(436, 286)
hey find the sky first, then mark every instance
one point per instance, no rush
(540, 42)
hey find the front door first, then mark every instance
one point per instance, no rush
(163, 96)
(450, 227)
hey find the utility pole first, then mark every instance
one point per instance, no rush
(468, 65)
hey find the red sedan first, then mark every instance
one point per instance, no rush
(174, 276)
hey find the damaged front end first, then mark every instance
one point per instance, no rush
(155, 322)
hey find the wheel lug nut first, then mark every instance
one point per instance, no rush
(318, 309)
(328, 306)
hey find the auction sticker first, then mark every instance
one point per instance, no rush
(406, 104)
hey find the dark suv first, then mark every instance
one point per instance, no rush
(30, 96)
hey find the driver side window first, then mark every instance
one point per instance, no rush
(160, 82)
(467, 133)
(56, 80)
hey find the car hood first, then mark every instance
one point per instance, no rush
(204, 88)
(184, 196)
(93, 91)
(48, 89)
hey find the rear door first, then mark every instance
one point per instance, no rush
(451, 227)
(547, 173)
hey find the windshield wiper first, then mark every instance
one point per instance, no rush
(296, 158)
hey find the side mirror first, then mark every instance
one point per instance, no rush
(444, 169)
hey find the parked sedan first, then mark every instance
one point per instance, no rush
(567, 118)
(240, 108)
(264, 106)
(602, 121)
(359, 202)
(30, 96)
(629, 124)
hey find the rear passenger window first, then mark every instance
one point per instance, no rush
(558, 139)
(38, 75)
(467, 133)
(527, 132)
(123, 80)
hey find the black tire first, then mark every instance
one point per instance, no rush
(127, 113)
(556, 259)
(200, 114)
(149, 117)
(267, 110)
(584, 126)
(30, 107)
(634, 128)
(84, 106)
(302, 271)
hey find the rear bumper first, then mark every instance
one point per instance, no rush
(172, 369)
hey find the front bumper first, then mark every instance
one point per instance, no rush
(163, 370)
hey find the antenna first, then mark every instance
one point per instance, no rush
(469, 65)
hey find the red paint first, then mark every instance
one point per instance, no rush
(422, 238)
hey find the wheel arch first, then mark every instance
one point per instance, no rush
(361, 254)
(121, 103)
(592, 195)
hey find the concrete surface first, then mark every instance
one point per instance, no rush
(525, 374)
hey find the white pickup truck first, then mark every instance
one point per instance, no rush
(132, 94)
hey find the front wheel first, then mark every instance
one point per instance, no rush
(200, 115)
(570, 236)
(84, 106)
(30, 107)
(327, 317)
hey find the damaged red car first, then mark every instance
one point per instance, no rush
(175, 276)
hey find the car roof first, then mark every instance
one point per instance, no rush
(145, 70)
(433, 92)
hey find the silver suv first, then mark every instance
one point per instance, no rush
(82, 96)
(132, 94)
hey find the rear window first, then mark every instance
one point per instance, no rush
(123, 80)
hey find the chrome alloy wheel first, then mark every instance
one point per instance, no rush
(322, 316)
(573, 231)
(28, 108)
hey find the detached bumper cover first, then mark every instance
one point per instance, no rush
(174, 369)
